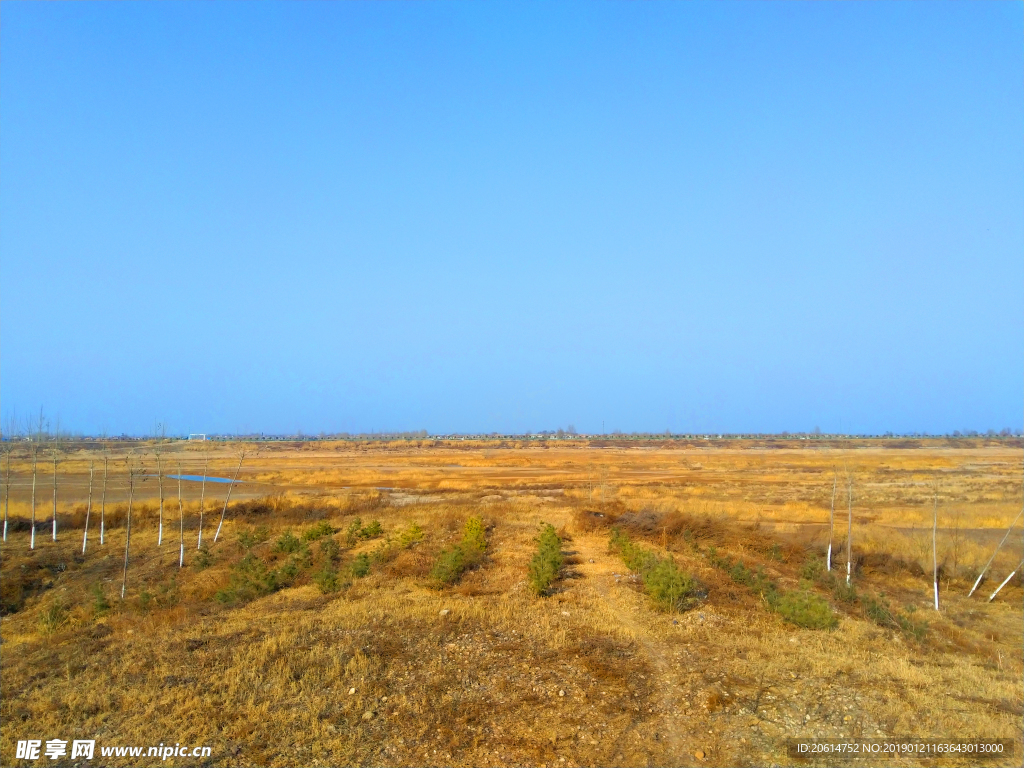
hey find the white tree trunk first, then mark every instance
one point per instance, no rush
(160, 480)
(181, 523)
(1003, 541)
(831, 522)
(7, 498)
(849, 534)
(202, 498)
(32, 538)
(1006, 581)
(88, 510)
(128, 530)
(228, 498)
(55, 494)
(103, 502)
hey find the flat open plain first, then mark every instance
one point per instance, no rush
(252, 648)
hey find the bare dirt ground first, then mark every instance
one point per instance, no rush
(392, 668)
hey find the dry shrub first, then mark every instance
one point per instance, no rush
(412, 563)
(366, 503)
(884, 563)
(596, 518)
(644, 523)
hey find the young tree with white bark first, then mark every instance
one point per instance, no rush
(202, 495)
(160, 481)
(849, 528)
(1006, 580)
(133, 474)
(88, 509)
(103, 501)
(831, 520)
(241, 457)
(32, 535)
(181, 523)
(998, 547)
(55, 493)
(7, 487)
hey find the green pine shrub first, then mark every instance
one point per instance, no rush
(669, 587)
(249, 538)
(547, 561)
(288, 543)
(318, 531)
(455, 561)
(360, 565)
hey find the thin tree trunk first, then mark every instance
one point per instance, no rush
(7, 498)
(88, 509)
(181, 523)
(54, 494)
(202, 498)
(103, 501)
(831, 521)
(849, 532)
(935, 550)
(128, 530)
(160, 480)
(227, 499)
(32, 539)
(1006, 581)
(1003, 541)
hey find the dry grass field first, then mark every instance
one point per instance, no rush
(321, 630)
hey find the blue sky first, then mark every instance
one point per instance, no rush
(509, 217)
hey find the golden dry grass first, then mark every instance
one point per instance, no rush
(485, 673)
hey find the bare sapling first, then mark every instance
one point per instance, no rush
(128, 525)
(935, 555)
(54, 494)
(7, 487)
(998, 547)
(160, 481)
(202, 499)
(1006, 581)
(103, 501)
(831, 520)
(241, 456)
(32, 537)
(181, 523)
(88, 509)
(849, 529)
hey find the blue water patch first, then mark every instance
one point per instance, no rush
(199, 478)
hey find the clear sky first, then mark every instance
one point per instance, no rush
(512, 216)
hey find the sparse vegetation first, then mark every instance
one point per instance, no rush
(547, 561)
(52, 618)
(318, 531)
(296, 628)
(100, 604)
(800, 607)
(411, 536)
(360, 565)
(250, 578)
(454, 561)
(288, 543)
(329, 549)
(326, 579)
(358, 532)
(203, 559)
(251, 537)
(669, 587)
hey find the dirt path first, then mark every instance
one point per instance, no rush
(608, 578)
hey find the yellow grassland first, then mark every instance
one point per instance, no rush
(485, 673)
